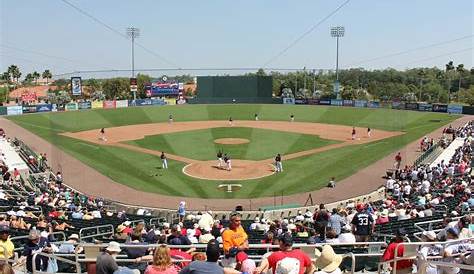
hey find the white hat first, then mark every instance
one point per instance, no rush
(166, 225)
(113, 247)
(127, 223)
(430, 235)
(44, 234)
(257, 219)
(196, 225)
(288, 266)
(308, 214)
(74, 236)
(190, 232)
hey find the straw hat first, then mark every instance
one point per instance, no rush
(430, 235)
(113, 247)
(327, 260)
(120, 228)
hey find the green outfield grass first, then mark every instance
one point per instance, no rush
(199, 144)
(140, 170)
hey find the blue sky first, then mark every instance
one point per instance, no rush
(226, 34)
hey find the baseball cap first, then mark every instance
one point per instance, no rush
(453, 231)
(360, 206)
(286, 239)
(4, 229)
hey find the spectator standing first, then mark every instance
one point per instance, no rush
(336, 221)
(234, 239)
(363, 224)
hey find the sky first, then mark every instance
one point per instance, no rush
(206, 34)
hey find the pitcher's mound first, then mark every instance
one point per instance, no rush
(241, 170)
(231, 141)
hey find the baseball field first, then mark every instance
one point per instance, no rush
(315, 147)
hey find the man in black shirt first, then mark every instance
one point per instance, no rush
(363, 224)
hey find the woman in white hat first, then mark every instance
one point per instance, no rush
(327, 261)
(428, 250)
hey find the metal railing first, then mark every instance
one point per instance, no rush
(57, 258)
(109, 231)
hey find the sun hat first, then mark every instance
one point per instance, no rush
(257, 220)
(120, 228)
(74, 236)
(327, 260)
(127, 223)
(113, 247)
(430, 235)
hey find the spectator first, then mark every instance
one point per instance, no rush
(286, 259)
(69, 245)
(327, 261)
(363, 224)
(403, 266)
(209, 266)
(321, 219)
(105, 262)
(346, 236)
(336, 221)
(162, 262)
(428, 250)
(5, 242)
(182, 210)
(383, 218)
(32, 247)
(206, 236)
(176, 238)
(234, 239)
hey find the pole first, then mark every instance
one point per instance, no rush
(133, 65)
(314, 82)
(337, 59)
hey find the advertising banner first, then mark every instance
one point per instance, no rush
(398, 105)
(158, 102)
(313, 102)
(162, 88)
(289, 101)
(76, 86)
(411, 106)
(301, 101)
(121, 103)
(14, 110)
(348, 103)
(109, 104)
(84, 105)
(373, 104)
(170, 101)
(457, 109)
(71, 107)
(97, 104)
(29, 109)
(141, 102)
(44, 108)
(440, 108)
(336, 102)
(425, 107)
(3, 110)
(360, 103)
(325, 102)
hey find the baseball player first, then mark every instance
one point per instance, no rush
(256, 117)
(164, 161)
(278, 164)
(102, 135)
(353, 133)
(369, 132)
(228, 162)
(231, 122)
(170, 119)
(220, 163)
(292, 118)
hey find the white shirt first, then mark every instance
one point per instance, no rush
(425, 186)
(390, 183)
(346, 238)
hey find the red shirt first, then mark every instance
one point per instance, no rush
(389, 254)
(177, 254)
(305, 261)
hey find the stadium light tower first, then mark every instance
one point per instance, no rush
(337, 32)
(133, 33)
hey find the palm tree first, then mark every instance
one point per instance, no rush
(36, 76)
(47, 75)
(14, 72)
(28, 78)
(460, 70)
(449, 67)
(5, 76)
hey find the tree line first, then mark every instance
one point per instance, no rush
(454, 83)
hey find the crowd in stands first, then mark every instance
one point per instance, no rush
(44, 205)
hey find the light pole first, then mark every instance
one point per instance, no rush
(337, 32)
(133, 33)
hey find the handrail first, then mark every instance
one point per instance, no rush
(15, 238)
(53, 256)
(81, 237)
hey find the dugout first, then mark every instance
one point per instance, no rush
(226, 89)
